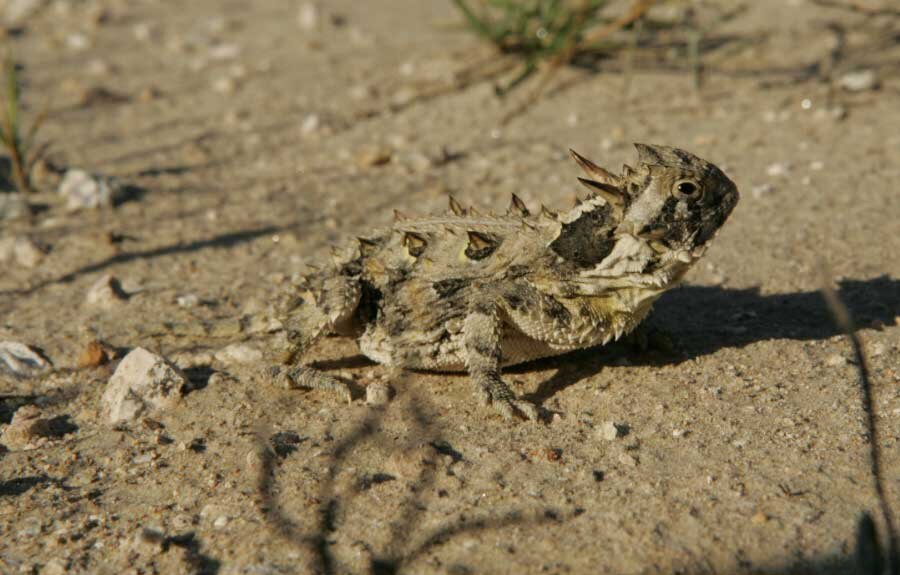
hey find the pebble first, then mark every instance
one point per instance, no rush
(96, 353)
(378, 393)
(419, 162)
(106, 292)
(836, 360)
(13, 206)
(308, 16)
(83, 190)
(143, 381)
(627, 460)
(22, 250)
(223, 52)
(761, 190)
(220, 522)
(310, 124)
(21, 361)
(15, 12)
(859, 81)
(77, 41)
(759, 518)
(26, 426)
(144, 31)
(778, 169)
(239, 353)
(224, 85)
(610, 431)
(55, 566)
(370, 157)
(187, 300)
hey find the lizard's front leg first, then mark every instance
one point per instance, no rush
(307, 320)
(482, 337)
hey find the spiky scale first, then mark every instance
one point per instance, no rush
(517, 207)
(415, 243)
(456, 207)
(593, 170)
(480, 245)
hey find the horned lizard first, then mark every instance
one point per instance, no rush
(471, 292)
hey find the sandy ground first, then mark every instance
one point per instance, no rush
(251, 134)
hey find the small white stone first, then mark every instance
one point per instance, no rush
(310, 124)
(836, 360)
(143, 381)
(77, 41)
(224, 85)
(761, 190)
(98, 67)
(143, 31)
(83, 190)
(187, 300)
(106, 292)
(419, 162)
(239, 353)
(220, 522)
(778, 169)
(20, 361)
(143, 458)
(859, 81)
(14, 12)
(609, 431)
(21, 250)
(628, 460)
(308, 16)
(222, 52)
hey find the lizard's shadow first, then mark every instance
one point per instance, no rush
(704, 319)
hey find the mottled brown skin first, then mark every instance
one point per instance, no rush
(471, 292)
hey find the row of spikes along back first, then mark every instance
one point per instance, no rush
(602, 183)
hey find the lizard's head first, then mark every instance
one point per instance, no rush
(673, 200)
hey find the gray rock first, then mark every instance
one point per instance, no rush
(13, 206)
(142, 382)
(83, 190)
(21, 361)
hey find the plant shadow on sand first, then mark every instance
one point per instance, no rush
(710, 318)
(705, 319)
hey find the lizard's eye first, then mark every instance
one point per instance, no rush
(687, 190)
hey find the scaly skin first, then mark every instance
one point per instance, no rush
(472, 292)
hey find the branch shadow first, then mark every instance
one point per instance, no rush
(225, 240)
(406, 543)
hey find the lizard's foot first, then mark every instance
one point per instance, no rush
(301, 376)
(504, 400)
